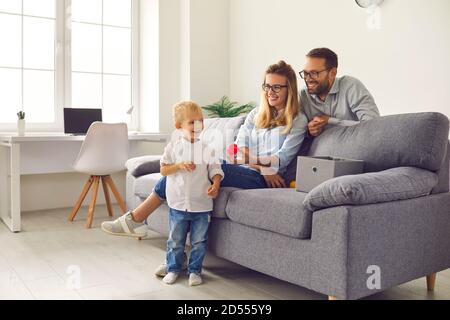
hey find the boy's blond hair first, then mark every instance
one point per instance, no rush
(183, 108)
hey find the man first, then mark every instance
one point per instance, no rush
(330, 100)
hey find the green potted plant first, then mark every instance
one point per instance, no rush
(20, 123)
(225, 108)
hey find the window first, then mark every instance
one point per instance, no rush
(77, 53)
(27, 59)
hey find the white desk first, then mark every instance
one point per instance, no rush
(38, 153)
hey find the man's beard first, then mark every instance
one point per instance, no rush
(321, 88)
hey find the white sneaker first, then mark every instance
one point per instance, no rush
(161, 270)
(125, 226)
(170, 278)
(194, 279)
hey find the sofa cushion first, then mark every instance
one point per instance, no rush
(388, 185)
(220, 132)
(276, 210)
(410, 140)
(140, 166)
(144, 186)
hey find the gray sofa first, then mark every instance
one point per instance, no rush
(399, 225)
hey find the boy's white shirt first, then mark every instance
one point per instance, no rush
(187, 191)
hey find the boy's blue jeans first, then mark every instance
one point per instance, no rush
(180, 222)
(234, 176)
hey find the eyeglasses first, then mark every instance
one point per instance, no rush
(313, 74)
(275, 88)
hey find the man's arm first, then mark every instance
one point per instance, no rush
(361, 103)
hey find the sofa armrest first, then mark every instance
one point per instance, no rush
(140, 166)
(403, 240)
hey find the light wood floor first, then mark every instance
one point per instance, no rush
(41, 262)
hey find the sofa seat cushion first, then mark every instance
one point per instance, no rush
(144, 186)
(276, 210)
(389, 185)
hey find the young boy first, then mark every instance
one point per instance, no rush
(190, 167)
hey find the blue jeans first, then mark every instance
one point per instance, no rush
(179, 223)
(234, 176)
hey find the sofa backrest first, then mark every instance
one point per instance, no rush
(416, 140)
(220, 132)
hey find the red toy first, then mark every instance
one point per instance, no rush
(232, 149)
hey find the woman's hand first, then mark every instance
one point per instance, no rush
(242, 156)
(274, 181)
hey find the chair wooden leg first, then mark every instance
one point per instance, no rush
(431, 281)
(332, 298)
(80, 200)
(107, 197)
(116, 193)
(92, 204)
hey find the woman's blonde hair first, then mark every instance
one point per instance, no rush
(265, 118)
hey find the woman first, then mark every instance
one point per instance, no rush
(268, 140)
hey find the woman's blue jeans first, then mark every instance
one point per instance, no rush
(234, 176)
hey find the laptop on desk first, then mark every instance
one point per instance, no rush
(78, 120)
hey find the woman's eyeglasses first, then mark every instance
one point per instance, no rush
(275, 88)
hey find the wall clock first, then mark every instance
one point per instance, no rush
(368, 3)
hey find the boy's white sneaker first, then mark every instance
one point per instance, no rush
(170, 278)
(194, 279)
(161, 270)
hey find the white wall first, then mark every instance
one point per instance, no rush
(209, 50)
(149, 65)
(193, 41)
(405, 64)
(50, 191)
(160, 62)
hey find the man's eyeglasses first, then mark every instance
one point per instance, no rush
(313, 74)
(275, 88)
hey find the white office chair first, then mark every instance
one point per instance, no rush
(103, 152)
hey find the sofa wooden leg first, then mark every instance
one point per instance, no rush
(332, 298)
(431, 281)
